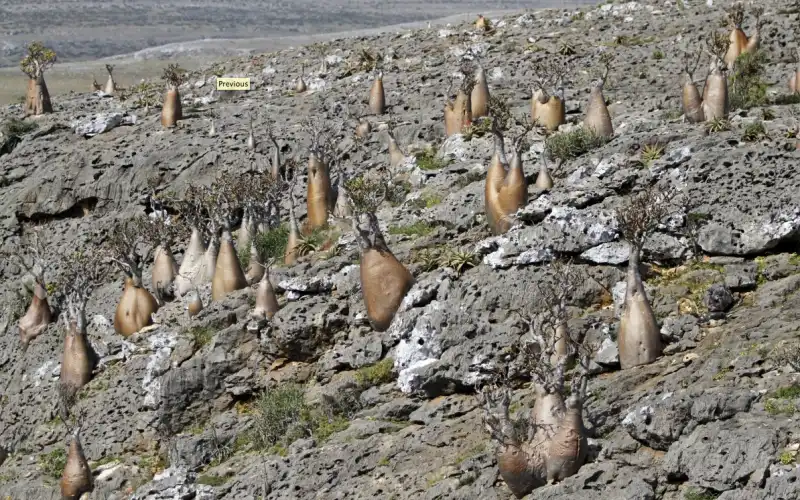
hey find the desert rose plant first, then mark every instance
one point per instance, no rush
(639, 336)
(82, 272)
(547, 103)
(130, 251)
(76, 479)
(38, 60)
(597, 117)
(31, 256)
(171, 111)
(384, 279)
(549, 444)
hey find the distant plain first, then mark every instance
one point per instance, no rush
(139, 35)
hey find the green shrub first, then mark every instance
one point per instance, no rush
(272, 244)
(53, 463)
(276, 412)
(429, 160)
(567, 145)
(201, 335)
(754, 132)
(381, 372)
(747, 85)
(419, 228)
(17, 127)
(211, 480)
(281, 416)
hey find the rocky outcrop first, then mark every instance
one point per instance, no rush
(313, 403)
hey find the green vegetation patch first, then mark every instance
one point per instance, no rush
(429, 159)
(419, 228)
(379, 373)
(747, 85)
(52, 464)
(18, 127)
(272, 244)
(281, 416)
(567, 145)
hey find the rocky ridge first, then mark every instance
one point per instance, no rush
(171, 410)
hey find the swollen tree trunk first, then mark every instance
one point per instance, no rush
(77, 476)
(266, 300)
(597, 116)
(255, 269)
(37, 99)
(210, 257)
(716, 103)
(736, 45)
(171, 111)
(293, 242)
(548, 112)
(513, 192)
(228, 274)
(377, 98)
(384, 280)
(692, 102)
(165, 270)
(318, 194)
(78, 360)
(568, 446)
(193, 303)
(135, 309)
(480, 95)
(192, 264)
(396, 156)
(495, 178)
(37, 317)
(544, 180)
(639, 337)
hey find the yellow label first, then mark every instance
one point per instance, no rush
(233, 84)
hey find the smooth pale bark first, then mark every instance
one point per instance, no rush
(377, 98)
(548, 112)
(255, 269)
(77, 361)
(318, 193)
(135, 309)
(692, 102)
(597, 116)
(513, 192)
(568, 447)
(396, 156)
(77, 476)
(228, 274)
(290, 254)
(37, 317)
(544, 180)
(737, 43)
(210, 258)
(716, 103)
(384, 283)
(171, 111)
(639, 337)
(37, 99)
(480, 95)
(266, 300)
(192, 264)
(165, 270)
(495, 176)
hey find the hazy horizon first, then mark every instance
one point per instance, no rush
(86, 30)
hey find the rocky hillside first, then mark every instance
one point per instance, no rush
(315, 403)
